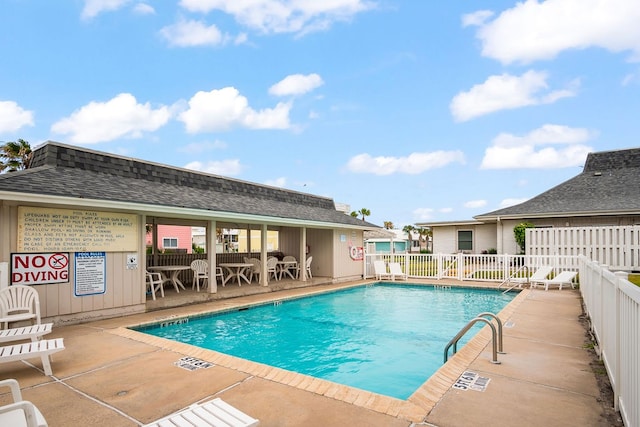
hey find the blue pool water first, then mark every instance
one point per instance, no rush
(388, 339)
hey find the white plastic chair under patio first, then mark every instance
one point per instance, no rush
(200, 270)
(155, 283)
(18, 303)
(272, 270)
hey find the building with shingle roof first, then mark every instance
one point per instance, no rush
(606, 193)
(74, 200)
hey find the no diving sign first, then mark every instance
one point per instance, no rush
(39, 269)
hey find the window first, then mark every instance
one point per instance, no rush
(465, 240)
(169, 242)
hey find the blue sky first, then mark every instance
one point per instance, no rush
(416, 110)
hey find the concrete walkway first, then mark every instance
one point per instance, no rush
(111, 376)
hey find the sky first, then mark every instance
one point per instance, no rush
(418, 111)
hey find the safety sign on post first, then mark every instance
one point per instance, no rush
(39, 268)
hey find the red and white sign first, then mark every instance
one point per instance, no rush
(39, 269)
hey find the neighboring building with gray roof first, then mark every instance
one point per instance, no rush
(73, 200)
(606, 193)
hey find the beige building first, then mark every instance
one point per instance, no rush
(606, 193)
(73, 225)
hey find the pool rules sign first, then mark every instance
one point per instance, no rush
(39, 269)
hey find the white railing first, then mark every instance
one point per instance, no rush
(490, 268)
(613, 305)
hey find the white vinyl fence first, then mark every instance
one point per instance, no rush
(617, 247)
(613, 306)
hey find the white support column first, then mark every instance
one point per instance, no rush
(264, 279)
(303, 255)
(210, 236)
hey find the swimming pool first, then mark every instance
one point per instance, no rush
(387, 338)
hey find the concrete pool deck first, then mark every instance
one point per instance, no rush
(111, 376)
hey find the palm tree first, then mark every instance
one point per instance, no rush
(15, 155)
(409, 229)
(364, 212)
(388, 225)
(425, 233)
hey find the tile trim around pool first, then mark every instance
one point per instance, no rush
(414, 409)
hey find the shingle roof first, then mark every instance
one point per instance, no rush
(608, 184)
(66, 171)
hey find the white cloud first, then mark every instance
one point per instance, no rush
(296, 84)
(121, 116)
(506, 92)
(278, 182)
(445, 210)
(202, 147)
(13, 117)
(93, 8)
(228, 167)
(413, 164)
(476, 18)
(422, 214)
(192, 33)
(220, 110)
(516, 152)
(294, 16)
(511, 202)
(534, 30)
(144, 9)
(475, 204)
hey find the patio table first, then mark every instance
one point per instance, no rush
(173, 272)
(285, 267)
(235, 269)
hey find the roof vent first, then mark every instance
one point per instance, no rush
(597, 173)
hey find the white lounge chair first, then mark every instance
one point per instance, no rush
(19, 303)
(33, 332)
(20, 412)
(564, 278)
(540, 274)
(216, 412)
(396, 271)
(42, 349)
(200, 269)
(380, 270)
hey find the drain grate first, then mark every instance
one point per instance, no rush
(192, 363)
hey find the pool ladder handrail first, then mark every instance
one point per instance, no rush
(496, 338)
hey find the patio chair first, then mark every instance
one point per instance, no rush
(540, 274)
(216, 413)
(155, 282)
(18, 303)
(396, 271)
(308, 266)
(564, 278)
(272, 267)
(20, 412)
(42, 349)
(256, 268)
(200, 270)
(380, 270)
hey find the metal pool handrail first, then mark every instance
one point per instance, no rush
(496, 337)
